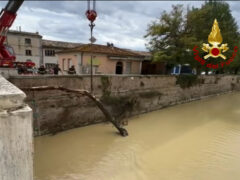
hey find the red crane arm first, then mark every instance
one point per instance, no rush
(7, 17)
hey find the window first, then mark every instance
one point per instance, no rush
(79, 58)
(50, 65)
(95, 70)
(49, 52)
(28, 52)
(10, 49)
(27, 41)
(128, 67)
(65, 64)
(69, 63)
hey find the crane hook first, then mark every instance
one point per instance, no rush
(91, 14)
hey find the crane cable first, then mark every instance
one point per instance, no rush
(89, 5)
(94, 5)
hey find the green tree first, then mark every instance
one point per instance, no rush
(199, 24)
(172, 37)
(234, 67)
(165, 37)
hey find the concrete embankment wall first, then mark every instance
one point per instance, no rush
(16, 135)
(124, 96)
(6, 72)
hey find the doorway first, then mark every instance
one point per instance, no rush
(119, 68)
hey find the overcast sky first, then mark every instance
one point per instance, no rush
(123, 23)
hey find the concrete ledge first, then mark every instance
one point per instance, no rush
(100, 75)
(6, 72)
(10, 95)
(83, 75)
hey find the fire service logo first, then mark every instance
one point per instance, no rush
(215, 49)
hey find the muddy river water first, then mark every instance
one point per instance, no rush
(194, 141)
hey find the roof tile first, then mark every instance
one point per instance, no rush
(96, 48)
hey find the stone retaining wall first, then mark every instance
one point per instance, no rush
(124, 96)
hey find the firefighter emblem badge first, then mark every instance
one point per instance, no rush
(215, 39)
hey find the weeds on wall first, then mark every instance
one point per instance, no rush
(120, 104)
(125, 103)
(142, 84)
(105, 86)
(217, 79)
(187, 81)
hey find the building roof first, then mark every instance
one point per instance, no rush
(147, 55)
(102, 49)
(59, 44)
(143, 53)
(22, 33)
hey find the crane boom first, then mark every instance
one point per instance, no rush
(7, 17)
(13, 5)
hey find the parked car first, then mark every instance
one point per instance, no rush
(182, 69)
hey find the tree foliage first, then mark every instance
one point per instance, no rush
(165, 36)
(172, 37)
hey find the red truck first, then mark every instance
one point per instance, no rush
(24, 67)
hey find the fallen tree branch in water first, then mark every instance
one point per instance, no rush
(122, 131)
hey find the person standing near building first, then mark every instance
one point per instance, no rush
(42, 70)
(20, 69)
(34, 70)
(72, 70)
(56, 69)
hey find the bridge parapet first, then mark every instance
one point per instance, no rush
(16, 148)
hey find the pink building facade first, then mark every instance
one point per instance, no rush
(106, 60)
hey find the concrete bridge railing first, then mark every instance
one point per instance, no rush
(16, 138)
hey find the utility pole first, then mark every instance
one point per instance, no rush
(91, 15)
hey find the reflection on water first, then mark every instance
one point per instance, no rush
(195, 141)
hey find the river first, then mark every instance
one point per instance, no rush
(199, 140)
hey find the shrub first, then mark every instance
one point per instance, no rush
(186, 81)
(105, 85)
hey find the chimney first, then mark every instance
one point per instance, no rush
(110, 45)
